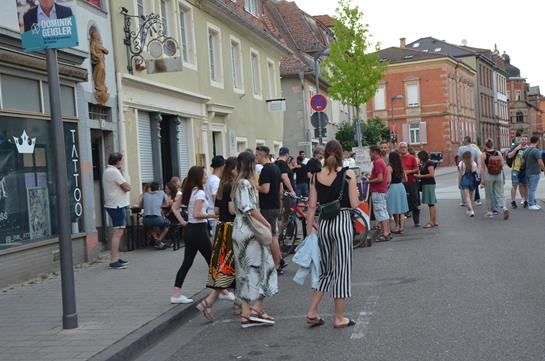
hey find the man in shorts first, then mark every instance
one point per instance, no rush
(269, 198)
(116, 201)
(379, 186)
(517, 180)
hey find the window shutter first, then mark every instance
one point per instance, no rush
(183, 150)
(423, 133)
(145, 147)
(406, 133)
(413, 98)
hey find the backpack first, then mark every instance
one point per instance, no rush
(509, 161)
(495, 165)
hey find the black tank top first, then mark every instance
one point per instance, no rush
(330, 193)
(395, 180)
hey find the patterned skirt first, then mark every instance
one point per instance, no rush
(222, 264)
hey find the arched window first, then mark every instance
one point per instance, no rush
(520, 117)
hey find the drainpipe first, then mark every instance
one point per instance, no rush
(122, 132)
(306, 137)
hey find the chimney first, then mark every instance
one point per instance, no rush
(402, 42)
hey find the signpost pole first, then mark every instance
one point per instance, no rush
(69, 313)
(317, 76)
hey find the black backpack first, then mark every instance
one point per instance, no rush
(509, 161)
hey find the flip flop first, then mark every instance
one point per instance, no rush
(429, 225)
(349, 324)
(315, 322)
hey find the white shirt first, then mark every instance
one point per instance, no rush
(196, 195)
(258, 169)
(211, 190)
(462, 166)
(114, 195)
(42, 16)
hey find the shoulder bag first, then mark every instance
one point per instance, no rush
(333, 209)
(261, 232)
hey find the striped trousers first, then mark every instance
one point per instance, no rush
(335, 238)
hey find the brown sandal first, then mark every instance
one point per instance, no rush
(206, 310)
(261, 316)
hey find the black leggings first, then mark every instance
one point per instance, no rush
(196, 238)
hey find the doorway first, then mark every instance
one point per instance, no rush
(101, 146)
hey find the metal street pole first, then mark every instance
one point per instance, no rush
(69, 314)
(317, 76)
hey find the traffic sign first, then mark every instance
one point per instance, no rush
(315, 119)
(318, 102)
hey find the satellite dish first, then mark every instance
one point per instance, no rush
(464, 42)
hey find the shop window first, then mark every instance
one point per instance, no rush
(28, 197)
(68, 101)
(20, 94)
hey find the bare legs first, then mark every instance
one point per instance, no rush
(114, 248)
(275, 250)
(340, 303)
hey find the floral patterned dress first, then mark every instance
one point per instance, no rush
(256, 276)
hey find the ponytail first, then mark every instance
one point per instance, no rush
(331, 163)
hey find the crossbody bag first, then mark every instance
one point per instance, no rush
(332, 209)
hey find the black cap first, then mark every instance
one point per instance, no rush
(218, 161)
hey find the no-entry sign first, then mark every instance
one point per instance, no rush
(318, 102)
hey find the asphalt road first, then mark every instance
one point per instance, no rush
(471, 289)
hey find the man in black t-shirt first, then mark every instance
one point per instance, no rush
(269, 196)
(314, 165)
(288, 180)
(301, 178)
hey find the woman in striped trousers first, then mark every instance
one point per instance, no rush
(335, 235)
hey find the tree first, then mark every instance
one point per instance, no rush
(352, 71)
(374, 131)
(345, 135)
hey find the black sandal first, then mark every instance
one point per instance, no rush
(315, 321)
(349, 324)
(383, 238)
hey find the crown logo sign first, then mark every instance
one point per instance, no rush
(25, 145)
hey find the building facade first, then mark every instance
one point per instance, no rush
(489, 96)
(427, 100)
(28, 198)
(216, 103)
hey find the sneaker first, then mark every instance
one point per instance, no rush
(160, 245)
(180, 300)
(117, 265)
(123, 262)
(229, 296)
(478, 203)
(522, 201)
(489, 215)
(514, 205)
(471, 214)
(505, 213)
(283, 264)
(462, 204)
(534, 208)
(495, 212)
(525, 204)
(280, 271)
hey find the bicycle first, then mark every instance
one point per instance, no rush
(289, 231)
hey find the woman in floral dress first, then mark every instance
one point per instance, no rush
(256, 276)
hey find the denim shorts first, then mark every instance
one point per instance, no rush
(380, 208)
(156, 221)
(118, 216)
(515, 180)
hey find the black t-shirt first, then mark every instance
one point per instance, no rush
(270, 174)
(223, 205)
(285, 169)
(301, 174)
(314, 166)
(424, 169)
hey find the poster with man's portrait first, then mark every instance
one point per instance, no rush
(46, 24)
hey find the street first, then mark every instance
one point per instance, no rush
(471, 289)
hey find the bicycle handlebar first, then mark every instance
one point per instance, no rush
(297, 198)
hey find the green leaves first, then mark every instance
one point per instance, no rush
(373, 131)
(354, 67)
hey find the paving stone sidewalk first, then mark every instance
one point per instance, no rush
(110, 304)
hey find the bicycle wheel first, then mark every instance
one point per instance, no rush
(360, 238)
(287, 237)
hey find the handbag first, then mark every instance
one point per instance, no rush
(261, 232)
(333, 209)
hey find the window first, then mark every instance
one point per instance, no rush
(242, 144)
(140, 7)
(236, 64)
(96, 3)
(68, 102)
(214, 56)
(414, 132)
(380, 98)
(517, 95)
(271, 70)
(13, 87)
(164, 16)
(99, 112)
(413, 95)
(187, 35)
(252, 6)
(256, 73)
(520, 117)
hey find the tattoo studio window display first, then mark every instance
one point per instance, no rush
(27, 193)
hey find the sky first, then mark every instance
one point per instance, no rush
(516, 27)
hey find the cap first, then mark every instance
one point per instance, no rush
(284, 150)
(218, 161)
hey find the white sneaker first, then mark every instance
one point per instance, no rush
(471, 214)
(462, 204)
(522, 202)
(229, 296)
(534, 208)
(180, 300)
(478, 203)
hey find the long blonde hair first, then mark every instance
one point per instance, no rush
(245, 170)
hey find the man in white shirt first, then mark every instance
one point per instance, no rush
(116, 201)
(212, 185)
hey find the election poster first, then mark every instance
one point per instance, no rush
(46, 24)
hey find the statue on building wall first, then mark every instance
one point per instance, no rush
(98, 56)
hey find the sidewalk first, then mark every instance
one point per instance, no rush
(440, 171)
(110, 303)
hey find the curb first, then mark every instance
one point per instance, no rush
(133, 345)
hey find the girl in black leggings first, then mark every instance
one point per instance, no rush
(197, 236)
